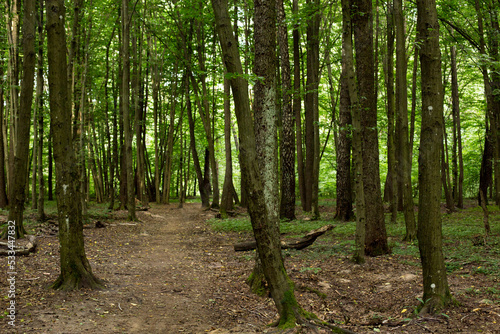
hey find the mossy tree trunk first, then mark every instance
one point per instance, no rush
(75, 268)
(429, 233)
(265, 230)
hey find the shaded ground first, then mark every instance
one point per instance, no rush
(170, 273)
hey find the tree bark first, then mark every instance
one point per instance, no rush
(227, 190)
(376, 235)
(205, 196)
(458, 166)
(311, 106)
(75, 268)
(22, 133)
(350, 94)
(266, 231)
(392, 162)
(39, 93)
(126, 112)
(297, 106)
(429, 233)
(287, 138)
(3, 181)
(403, 144)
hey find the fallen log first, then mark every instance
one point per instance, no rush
(22, 246)
(298, 244)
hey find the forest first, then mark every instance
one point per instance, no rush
(376, 121)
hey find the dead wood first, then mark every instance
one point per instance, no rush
(298, 244)
(21, 247)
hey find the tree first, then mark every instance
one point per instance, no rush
(403, 144)
(266, 231)
(3, 181)
(22, 132)
(75, 268)
(311, 106)
(349, 95)
(429, 233)
(228, 188)
(287, 138)
(376, 235)
(126, 112)
(458, 166)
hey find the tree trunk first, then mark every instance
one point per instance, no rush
(39, 94)
(12, 9)
(392, 163)
(435, 283)
(205, 196)
(458, 166)
(22, 133)
(266, 231)
(126, 112)
(403, 145)
(227, 190)
(167, 172)
(311, 110)
(352, 102)
(287, 138)
(344, 210)
(297, 102)
(486, 172)
(3, 183)
(376, 235)
(75, 268)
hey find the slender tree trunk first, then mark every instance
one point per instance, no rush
(34, 165)
(404, 148)
(75, 268)
(156, 106)
(205, 196)
(126, 112)
(39, 94)
(287, 138)
(445, 173)
(311, 110)
(486, 172)
(297, 106)
(3, 181)
(50, 192)
(376, 235)
(22, 133)
(12, 9)
(167, 175)
(392, 163)
(227, 190)
(435, 283)
(458, 174)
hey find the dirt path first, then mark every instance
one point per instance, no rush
(159, 275)
(171, 273)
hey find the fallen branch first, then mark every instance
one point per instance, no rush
(28, 246)
(298, 244)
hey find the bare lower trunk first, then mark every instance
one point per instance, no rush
(75, 268)
(435, 283)
(22, 133)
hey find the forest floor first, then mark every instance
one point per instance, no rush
(171, 272)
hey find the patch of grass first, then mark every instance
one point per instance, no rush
(231, 224)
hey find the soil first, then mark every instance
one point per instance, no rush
(171, 273)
